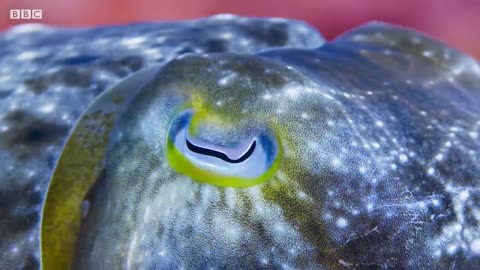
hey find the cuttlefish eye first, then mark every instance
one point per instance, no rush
(230, 160)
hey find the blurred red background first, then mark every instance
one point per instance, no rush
(454, 22)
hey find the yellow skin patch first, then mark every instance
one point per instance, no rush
(84, 151)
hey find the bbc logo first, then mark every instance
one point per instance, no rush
(25, 14)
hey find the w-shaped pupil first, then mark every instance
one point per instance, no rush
(210, 152)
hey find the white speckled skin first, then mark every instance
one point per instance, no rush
(48, 76)
(380, 162)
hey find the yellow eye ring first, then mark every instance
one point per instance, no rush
(219, 174)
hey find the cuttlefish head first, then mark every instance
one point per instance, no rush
(213, 119)
(205, 148)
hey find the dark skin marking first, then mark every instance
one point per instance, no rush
(220, 155)
(31, 133)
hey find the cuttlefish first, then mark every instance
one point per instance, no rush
(49, 76)
(360, 153)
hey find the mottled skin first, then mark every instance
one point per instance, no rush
(379, 167)
(49, 76)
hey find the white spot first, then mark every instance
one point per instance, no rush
(155, 53)
(336, 162)
(292, 92)
(463, 196)
(133, 42)
(451, 249)
(379, 123)
(376, 145)
(226, 80)
(28, 55)
(267, 96)
(427, 53)
(302, 195)
(362, 169)
(279, 227)
(475, 246)
(342, 223)
(473, 135)
(161, 253)
(454, 129)
(47, 108)
(227, 35)
(359, 37)
(245, 42)
(328, 96)
(403, 158)
(305, 116)
(31, 173)
(430, 171)
(5, 78)
(14, 250)
(439, 157)
(224, 17)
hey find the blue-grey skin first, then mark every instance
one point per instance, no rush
(386, 121)
(380, 166)
(48, 76)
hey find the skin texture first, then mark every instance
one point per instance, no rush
(50, 76)
(378, 168)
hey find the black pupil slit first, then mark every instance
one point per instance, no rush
(220, 155)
